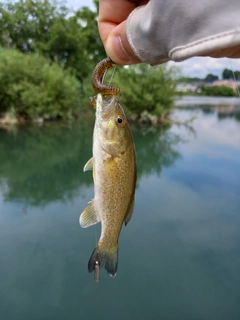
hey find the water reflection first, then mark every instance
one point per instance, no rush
(42, 164)
(155, 149)
(223, 107)
(179, 256)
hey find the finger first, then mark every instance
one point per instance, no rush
(232, 52)
(112, 29)
(118, 47)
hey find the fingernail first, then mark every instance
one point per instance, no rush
(117, 47)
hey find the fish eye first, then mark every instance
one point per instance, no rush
(120, 121)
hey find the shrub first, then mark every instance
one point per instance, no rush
(221, 91)
(32, 87)
(146, 89)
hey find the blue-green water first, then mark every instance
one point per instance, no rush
(179, 256)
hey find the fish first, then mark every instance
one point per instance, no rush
(114, 174)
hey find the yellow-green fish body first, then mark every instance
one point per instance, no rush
(114, 173)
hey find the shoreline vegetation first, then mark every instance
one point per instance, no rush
(47, 55)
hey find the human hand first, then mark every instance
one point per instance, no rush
(112, 28)
(162, 30)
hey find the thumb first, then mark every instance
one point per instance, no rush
(118, 47)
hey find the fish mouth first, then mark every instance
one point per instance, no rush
(105, 104)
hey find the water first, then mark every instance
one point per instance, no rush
(179, 257)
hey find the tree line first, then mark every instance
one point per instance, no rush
(227, 74)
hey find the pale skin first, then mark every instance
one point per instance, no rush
(112, 29)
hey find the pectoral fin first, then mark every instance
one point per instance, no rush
(129, 213)
(89, 216)
(93, 101)
(89, 165)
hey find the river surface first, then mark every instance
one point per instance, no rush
(179, 257)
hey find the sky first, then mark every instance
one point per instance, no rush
(194, 67)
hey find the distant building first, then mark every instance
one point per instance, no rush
(187, 87)
(227, 83)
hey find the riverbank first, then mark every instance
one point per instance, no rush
(224, 105)
(192, 101)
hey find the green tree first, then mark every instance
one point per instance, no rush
(70, 38)
(227, 74)
(223, 91)
(210, 78)
(147, 89)
(32, 87)
(230, 74)
(94, 46)
(189, 79)
(25, 23)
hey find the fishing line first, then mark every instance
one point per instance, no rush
(113, 72)
(234, 77)
(96, 241)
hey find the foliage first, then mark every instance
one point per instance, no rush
(33, 87)
(189, 79)
(94, 47)
(210, 78)
(230, 74)
(146, 88)
(218, 91)
(39, 28)
(70, 38)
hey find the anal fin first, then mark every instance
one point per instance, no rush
(129, 213)
(93, 101)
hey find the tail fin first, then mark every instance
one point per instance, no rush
(107, 257)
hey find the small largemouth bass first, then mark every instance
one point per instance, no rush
(114, 173)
